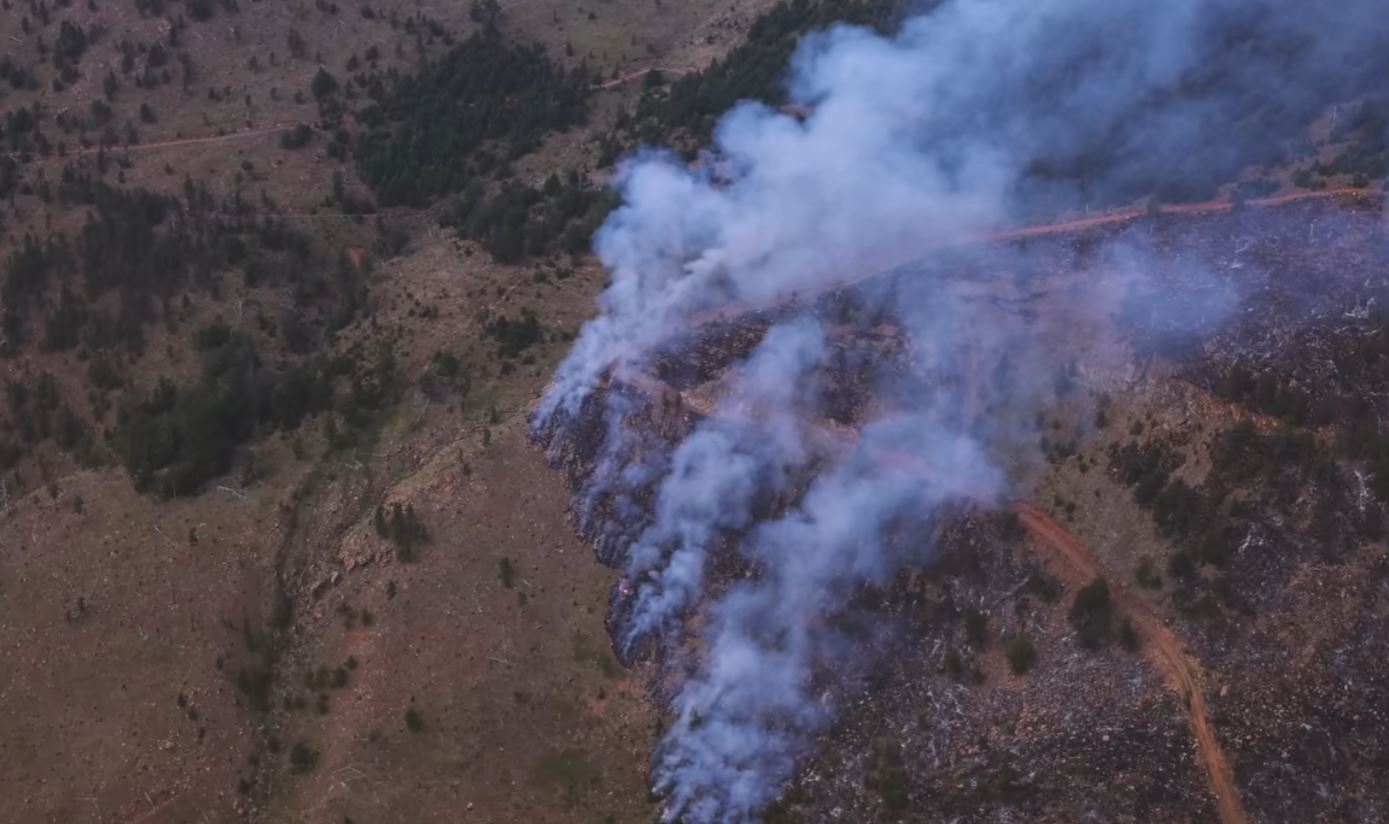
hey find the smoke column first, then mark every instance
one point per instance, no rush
(976, 114)
(719, 472)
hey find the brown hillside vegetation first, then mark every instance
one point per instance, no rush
(281, 280)
(259, 651)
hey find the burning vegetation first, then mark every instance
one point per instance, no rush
(789, 457)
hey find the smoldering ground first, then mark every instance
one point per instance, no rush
(975, 114)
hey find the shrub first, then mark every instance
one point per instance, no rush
(405, 530)
(506, 572)
(976, 628)
(515, 336)
(324, 84)
(1128, 637)
(296, 138)
(302, 759)
(887, 775)
(1147, 575)
(954, 666)
(1021, 653)
(1091, 613)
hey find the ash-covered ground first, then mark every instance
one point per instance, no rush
(1212, 435)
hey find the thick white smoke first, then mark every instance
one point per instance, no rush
(975, 115)
(746, 716)
(743, 452)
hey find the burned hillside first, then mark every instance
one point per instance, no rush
(1251, 535)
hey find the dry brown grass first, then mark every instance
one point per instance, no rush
(525, 715)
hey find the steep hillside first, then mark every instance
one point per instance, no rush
(274, 545)
(282, 284)
(1169, 615)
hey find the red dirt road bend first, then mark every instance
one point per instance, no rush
(1163, 646)
(1062, 548)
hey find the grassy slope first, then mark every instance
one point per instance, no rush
(524, 715)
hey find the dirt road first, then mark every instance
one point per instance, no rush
(1062, 227)
(634, 74)
(1164, 648)
(1206, 207)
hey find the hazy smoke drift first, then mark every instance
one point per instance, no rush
(975, 115)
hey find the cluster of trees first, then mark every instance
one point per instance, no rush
(143, 248)
(20, 131)
(176, 439)
(1286, 470)
(886, 775)
(519, 221)
(515, 336)
(9, 177)
(1344, 393)
(40, 413)
(1244, 70)
(1365, 165)
(428, 134)
(1272, 393)
(1262, 130)
(297, 137)
(18, 76)
(1091, 614)
(402, 527)
(68, 48)
(1199, 524)
(28, 271)
(1295, 467)
(687, 110)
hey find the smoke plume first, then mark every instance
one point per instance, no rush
(744, 452)
(975, 115)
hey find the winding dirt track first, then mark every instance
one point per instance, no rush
(1164, 648)
(1062, 227)
(1075, 563)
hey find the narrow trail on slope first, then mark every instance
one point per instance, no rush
(183, 141)
(634, 74)
(192, 141)
(1166, 651)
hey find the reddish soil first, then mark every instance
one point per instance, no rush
(1076, 564)
(1113, 218)
(1165, 649)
